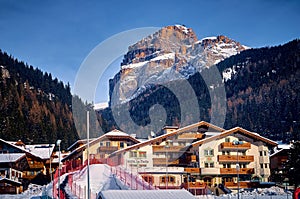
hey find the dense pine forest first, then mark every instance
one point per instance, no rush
(262, 95)
(35, 107)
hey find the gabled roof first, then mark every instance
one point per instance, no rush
(236, 130)
(82, 141)
(165, 136)
(44, 151)
(146, 194)
(11, 157)
(112, 134)
(116, 132)
(40, 151)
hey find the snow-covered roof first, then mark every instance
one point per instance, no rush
(284, 146)
(10, 157)
(43, 151)
(146, 194)
(116, 132)
(101, 105)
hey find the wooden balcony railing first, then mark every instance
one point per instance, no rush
(233, 171)
(108, 148)
(230, 145)
(192, 170)
(193, 185)
(170, 149)
(242, 185)
(234, 158)
(162, 161)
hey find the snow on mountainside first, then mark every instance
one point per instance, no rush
(173, 52)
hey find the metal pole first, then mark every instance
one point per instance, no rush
(166, 179)
(237, 170)
(88, 154)
(58, 142)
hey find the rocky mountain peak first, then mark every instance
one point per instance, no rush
(171, 53)
(166, 40)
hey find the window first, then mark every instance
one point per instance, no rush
(108, 144)
(261, 166)
(148, 179)
(227, 139)
(101, 143)
(121, 144)
(265, 153)
(133, 154)
(208, 164)
(208, 152)
(226, 166)
(266, 165)
(181, 143)
(243, 165)
(170, 179)
(142, 154)
(261, 153)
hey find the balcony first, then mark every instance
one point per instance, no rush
(162, 161)
(108, 148)
(170, 149)
(232, 171)
(192, 170)
(234, 158)
(210, 171)
(230, 146)
(242, 185)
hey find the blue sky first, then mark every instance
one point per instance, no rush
(56, 36)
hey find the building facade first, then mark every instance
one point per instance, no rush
(199, 155)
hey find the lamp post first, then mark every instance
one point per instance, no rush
(88, 152)
(58, 144)
(167, 146)
(237, 143)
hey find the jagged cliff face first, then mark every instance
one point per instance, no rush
(173, 52)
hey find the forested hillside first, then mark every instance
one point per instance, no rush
(34, 107)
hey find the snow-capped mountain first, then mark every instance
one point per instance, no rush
(172, 53)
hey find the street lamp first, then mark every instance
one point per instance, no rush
(167, 146)
(58, 144)
(237, 143)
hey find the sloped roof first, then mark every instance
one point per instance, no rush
(146, 194)
(43, 151)
(113, 133)
(10, 157)
(39, 150)
(116, 132)
(165, 136)
(232, 131)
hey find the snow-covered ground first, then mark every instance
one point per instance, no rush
(101, 178)
(266, 193)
